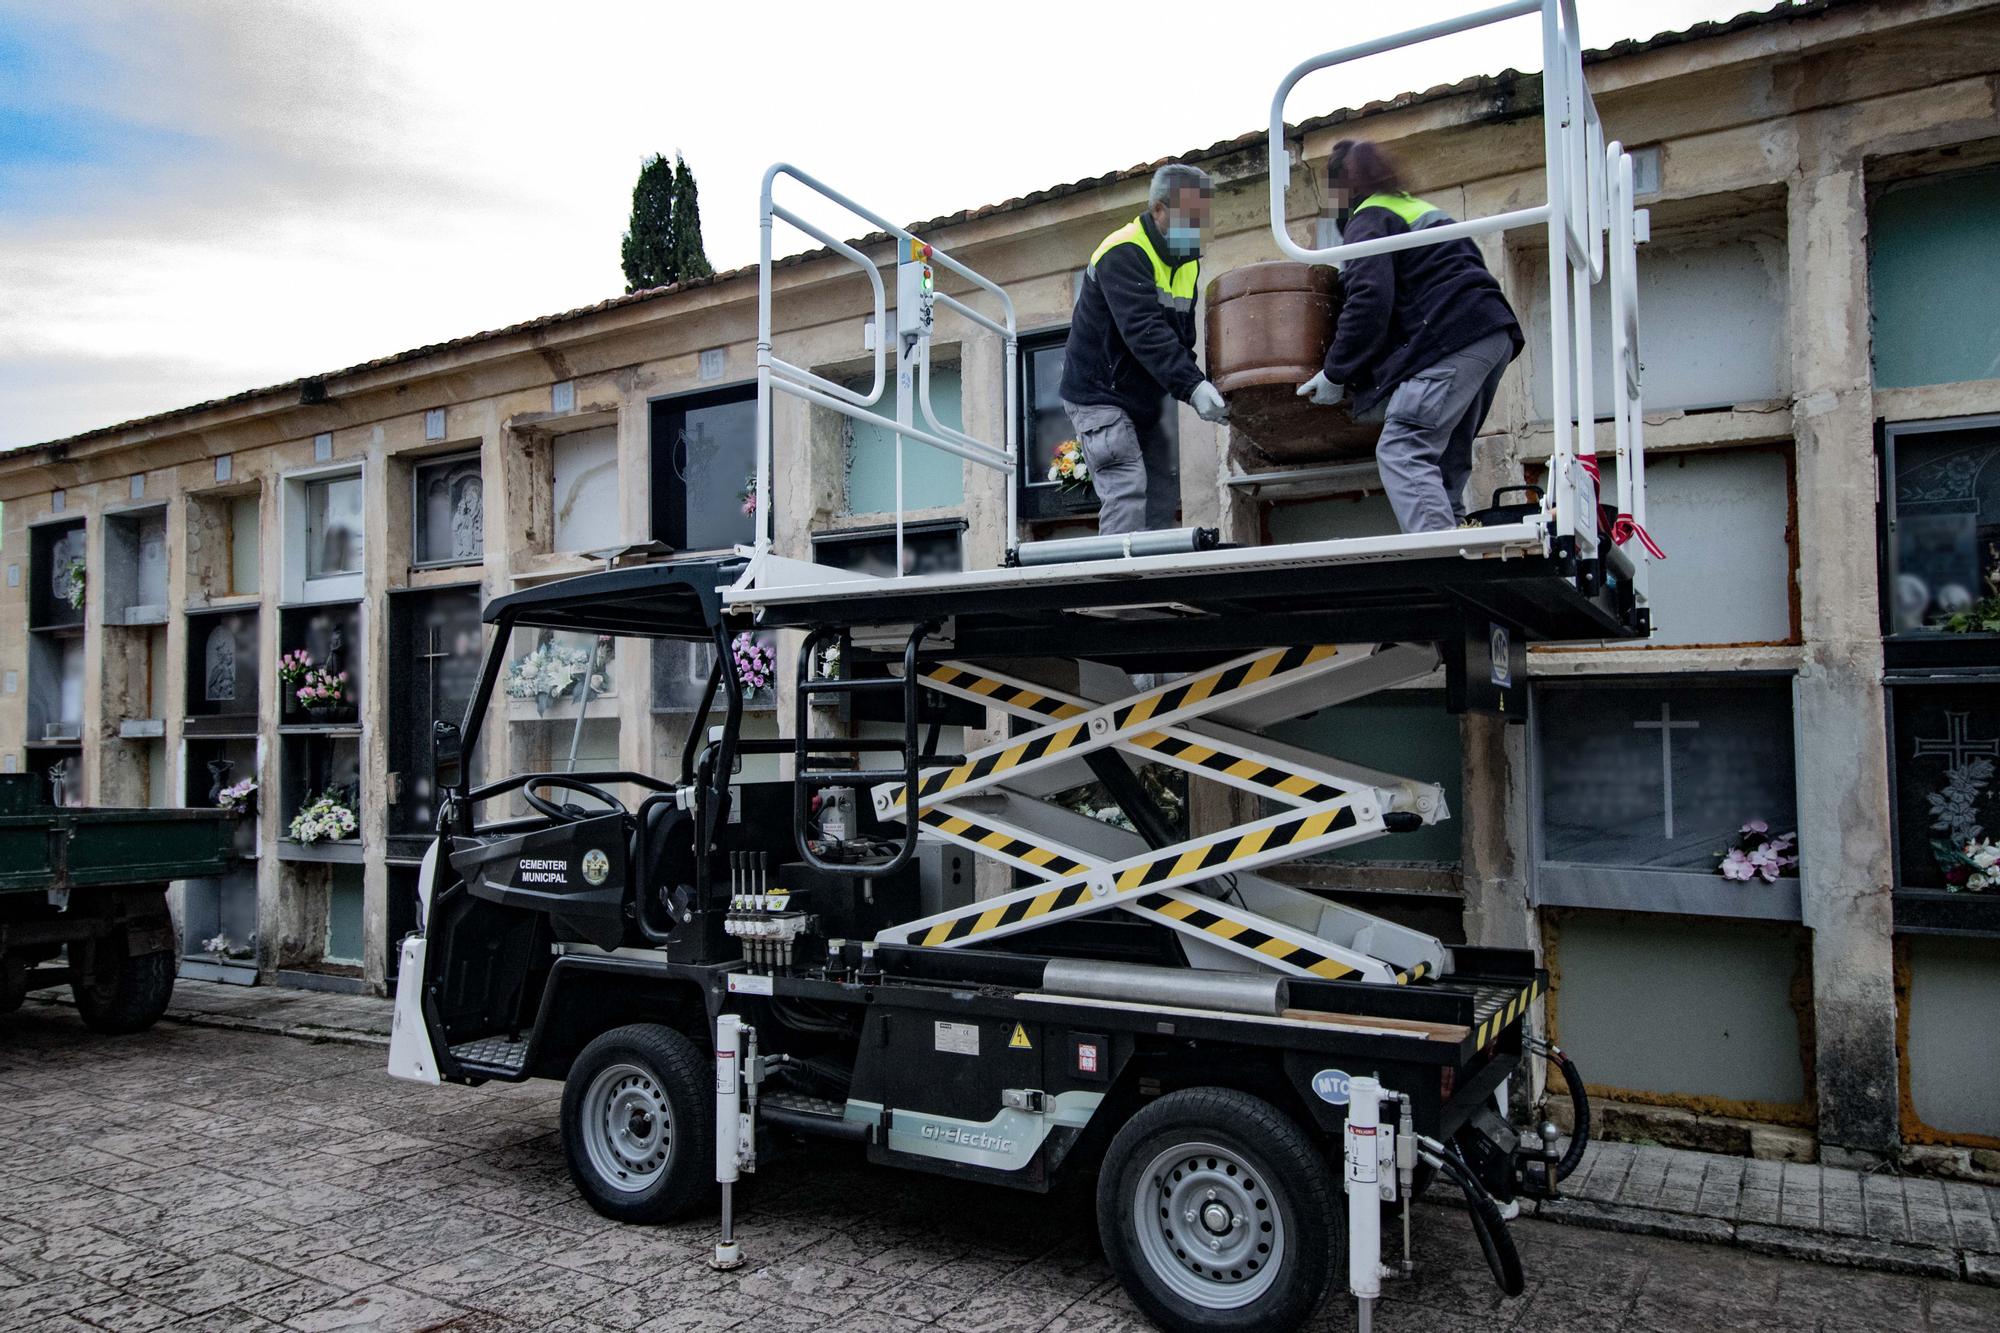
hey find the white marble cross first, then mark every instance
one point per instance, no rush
(1667, 727)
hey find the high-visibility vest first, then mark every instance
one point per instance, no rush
(1176, 284)
(1405, 206)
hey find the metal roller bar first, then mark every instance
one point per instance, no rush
(1117, 545)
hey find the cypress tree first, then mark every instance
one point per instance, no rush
(689, 259)
(648, 249)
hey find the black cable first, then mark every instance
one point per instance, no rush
(1495, 1241)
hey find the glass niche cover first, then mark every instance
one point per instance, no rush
(1946, 544)
(449, 508)
(1663, 778)
(222, 665)
(333, 527)
(556, 671)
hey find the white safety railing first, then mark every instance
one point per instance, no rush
(916, 295)
(1589, 192)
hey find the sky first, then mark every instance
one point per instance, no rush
(198, 198)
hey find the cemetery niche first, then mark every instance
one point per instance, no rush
(1945, 773)
(448, 509)
(135, 568)
(58, 573)
(435, 644)
(222, 669)
(1646, 789)
(320, 665)
(1944, 522)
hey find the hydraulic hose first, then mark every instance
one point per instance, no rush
(1579, 1101)
(1495, 1241)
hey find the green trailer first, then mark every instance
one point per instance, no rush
(83, 900)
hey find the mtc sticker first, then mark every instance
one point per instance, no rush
(1330, 1085)
(1086, 1057)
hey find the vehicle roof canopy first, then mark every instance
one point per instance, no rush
(680, 599)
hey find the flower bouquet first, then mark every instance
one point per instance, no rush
(756, 663)
(325, 818)
(73, 579)
(322, 693)
(1758, 854)
(1069, 467)
(227, 950)
(292, 668)
(238, 798)
(747, 497)
(547, 674)
(1971, 867)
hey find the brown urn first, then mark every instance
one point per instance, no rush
(1269, 326)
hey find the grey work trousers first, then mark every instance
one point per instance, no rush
(1136, 470)
(1429, 422)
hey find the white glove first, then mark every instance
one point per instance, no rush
(1322, 391)
(1207, 402)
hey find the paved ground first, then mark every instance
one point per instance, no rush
(195, 1177)
(1927, 1228)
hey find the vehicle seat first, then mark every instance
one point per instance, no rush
(660, 828)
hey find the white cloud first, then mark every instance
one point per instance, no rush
(349, 181)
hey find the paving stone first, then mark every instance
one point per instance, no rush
(128, 1312)
(382, 1308)
(209, 1284)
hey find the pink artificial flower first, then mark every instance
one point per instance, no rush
(1737, 866)
(1755, 826)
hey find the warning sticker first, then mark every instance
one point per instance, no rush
(958, 1038)
(1019, 1041)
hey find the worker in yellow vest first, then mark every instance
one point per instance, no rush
(1131, 345)
(1423, 339)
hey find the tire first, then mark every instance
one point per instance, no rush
(119, 993)
(638, 1125)
(1265, 1203)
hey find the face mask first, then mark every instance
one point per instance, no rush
(1183, 241)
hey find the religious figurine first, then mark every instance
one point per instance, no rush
(221, 675)
(468, 520)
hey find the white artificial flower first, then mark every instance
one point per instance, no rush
(1055, 473)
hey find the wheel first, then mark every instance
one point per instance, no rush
(638, 1124)
(1217, 1212)
(118, 992)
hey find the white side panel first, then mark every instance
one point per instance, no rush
(410, 1054)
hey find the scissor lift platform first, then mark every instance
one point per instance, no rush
(1425, 587)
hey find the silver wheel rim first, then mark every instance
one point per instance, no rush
(627, 1129)
(1208, 1226)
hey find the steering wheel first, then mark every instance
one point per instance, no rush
(568, 812)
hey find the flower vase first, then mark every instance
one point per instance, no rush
(320, 713)
(542, 701)
(219, 770)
